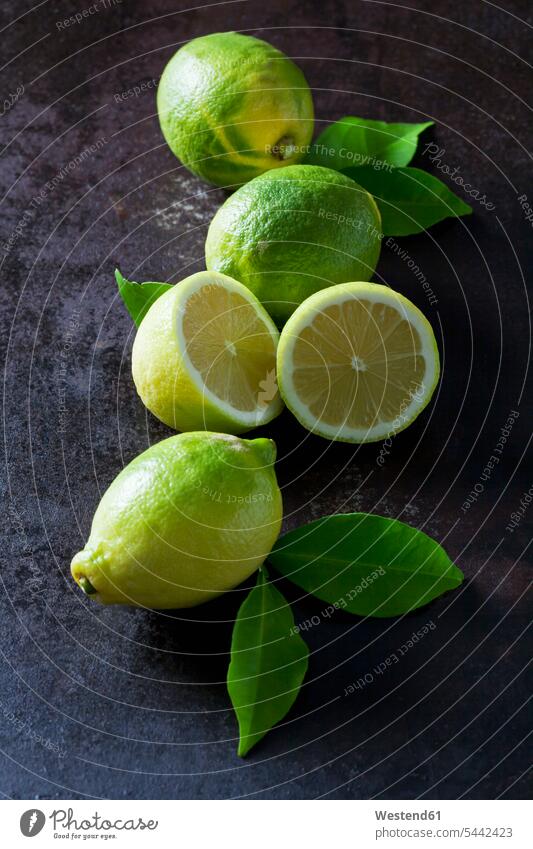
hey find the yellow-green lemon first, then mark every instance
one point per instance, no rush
(290, 233)
(187, 520)
(232, 106)
(357, 362)
(204, 357)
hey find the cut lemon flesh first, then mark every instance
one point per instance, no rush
(357, 362)
(204, 357)
(230, 346)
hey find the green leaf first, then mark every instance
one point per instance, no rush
(354, 142)
(366, 564)
(410, 200)
(139, 297)
(268, 662)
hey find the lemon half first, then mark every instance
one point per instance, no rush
(357, 362)
(204, 357)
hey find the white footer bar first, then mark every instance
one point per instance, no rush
(266, 824)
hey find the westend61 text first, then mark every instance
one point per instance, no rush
(407, 815)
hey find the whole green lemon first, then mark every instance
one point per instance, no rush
(290, 233)
(186, 520)
(232, 106)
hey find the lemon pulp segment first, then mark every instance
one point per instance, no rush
(358, 362)
(231, 349)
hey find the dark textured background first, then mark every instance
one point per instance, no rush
(121, 703)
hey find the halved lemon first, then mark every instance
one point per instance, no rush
(357, 362)
(204, 357)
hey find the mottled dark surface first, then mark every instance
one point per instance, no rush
(120, 703)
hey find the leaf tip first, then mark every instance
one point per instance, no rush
(247, 742)
(458, 575)
(243, 749)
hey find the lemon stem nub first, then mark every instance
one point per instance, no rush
(283, 149)
(86, 586)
